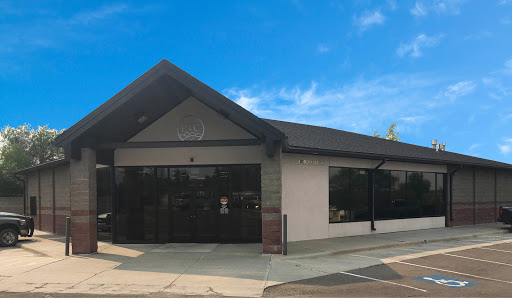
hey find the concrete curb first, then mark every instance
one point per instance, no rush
(399, 244)
(33, 250)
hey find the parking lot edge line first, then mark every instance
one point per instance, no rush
(440, 251)
(495, 249)
(454, 272)
(474, 259)
(384, 281)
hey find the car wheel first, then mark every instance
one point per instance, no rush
(8, 237)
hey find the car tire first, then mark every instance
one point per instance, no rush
(8, 237)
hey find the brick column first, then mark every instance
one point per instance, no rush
(83, 203)
(271, 190)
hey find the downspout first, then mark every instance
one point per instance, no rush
(451, 191)
(372, 197)
(24, 194)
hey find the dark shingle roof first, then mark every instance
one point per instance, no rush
(305, 138)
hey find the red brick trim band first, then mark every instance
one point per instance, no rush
(270, 209)
(83, 212)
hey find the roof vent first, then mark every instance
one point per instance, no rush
(437, 146)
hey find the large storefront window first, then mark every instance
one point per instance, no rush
(189, 204)
(398, 194)
(348, 195)
(401, 194)
(104, 204)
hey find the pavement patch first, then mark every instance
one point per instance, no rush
(447, 281)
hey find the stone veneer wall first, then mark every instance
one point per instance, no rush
(83, 203)
(271, 192)
(11, 204)
(478, 193)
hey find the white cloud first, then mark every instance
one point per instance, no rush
(506, 20)
(478, 36)
(368, 19)
(321, 48)
(392, 4)
(506, 147)
(360, 105)
(440, 7)
(104, 12)
(474, 146)
(415, 119)
(414, 48)
(459, 89)
(419, 9)
(508, 66)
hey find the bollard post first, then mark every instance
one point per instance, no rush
(68, 232)
(285, 234)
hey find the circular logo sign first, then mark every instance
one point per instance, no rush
(223, 200)
(190, 128)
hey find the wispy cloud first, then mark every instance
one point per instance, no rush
(505, 147)
(392, 4)
(414, 47)
(478, 36)
(441, 7)
(504, 2)
(474, 146)
(506, 20)
(102, 13)
(368, 19)
(52, 29)
(360, 106)
(459, 89)
(322, 48)
(508, 66)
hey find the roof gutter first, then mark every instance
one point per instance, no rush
(303, 150)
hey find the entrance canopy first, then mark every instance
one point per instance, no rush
(147, 99)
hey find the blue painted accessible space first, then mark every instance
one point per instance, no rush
(447, 281)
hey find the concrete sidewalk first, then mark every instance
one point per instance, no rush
(201, 269)
(345, 245)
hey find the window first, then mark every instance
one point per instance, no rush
(33, 206)
(348, 195)
(401, 194)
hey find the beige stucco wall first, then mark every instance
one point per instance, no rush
(306, 197)
(384, 226)
(216, 127)
(182, 156)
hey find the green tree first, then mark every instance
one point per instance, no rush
(22, 147)
(390, 135)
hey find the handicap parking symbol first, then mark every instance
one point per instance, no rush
(446, 281)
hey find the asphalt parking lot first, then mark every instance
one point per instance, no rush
(476, 270)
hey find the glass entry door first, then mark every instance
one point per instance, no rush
(189, 204)
(193, 203)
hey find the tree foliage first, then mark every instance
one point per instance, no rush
(390, 135)
(22, 147)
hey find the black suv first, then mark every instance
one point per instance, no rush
(13, 225)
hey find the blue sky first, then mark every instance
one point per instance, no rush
(439, 69)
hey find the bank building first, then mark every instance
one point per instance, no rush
(169, 159)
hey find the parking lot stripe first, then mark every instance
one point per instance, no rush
(487, 261)
(440, 251)
(500, 250)
(384, 281)
(454, 272)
